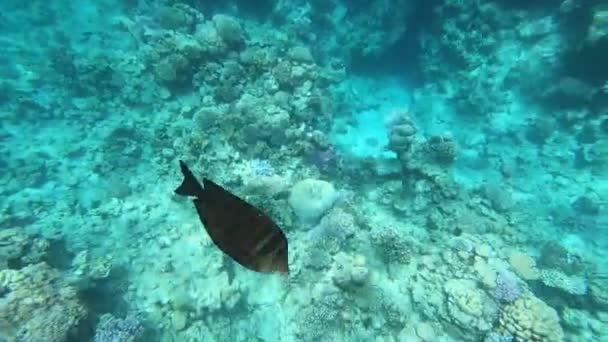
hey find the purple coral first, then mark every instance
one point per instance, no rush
(261, 167)
(462, 245)
(496, 337)
(507, 287)
(128, 329)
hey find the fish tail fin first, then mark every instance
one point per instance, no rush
(190, 186)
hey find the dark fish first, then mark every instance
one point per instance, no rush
(236, 227)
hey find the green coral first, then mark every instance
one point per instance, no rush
(598, 29)
(228, 29)
(174, 17)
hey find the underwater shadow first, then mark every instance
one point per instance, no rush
(402, 58)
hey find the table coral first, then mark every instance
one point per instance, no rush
(530, 319)
(575, 285)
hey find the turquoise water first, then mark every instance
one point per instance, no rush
(439, 168)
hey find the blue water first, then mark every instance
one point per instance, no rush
(439, 168)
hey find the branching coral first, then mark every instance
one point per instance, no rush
(324, 312)
(38, 305)
(392, 245)
(112, 329)
(334, 229)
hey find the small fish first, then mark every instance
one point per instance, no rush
(239, 229)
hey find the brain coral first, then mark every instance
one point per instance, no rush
(311, 198)
(469, 306)
(530, 319)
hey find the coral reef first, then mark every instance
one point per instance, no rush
(37, 304)
(438, 168)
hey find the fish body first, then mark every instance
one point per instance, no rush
(236, 227)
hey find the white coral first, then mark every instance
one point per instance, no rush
(312, 198)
